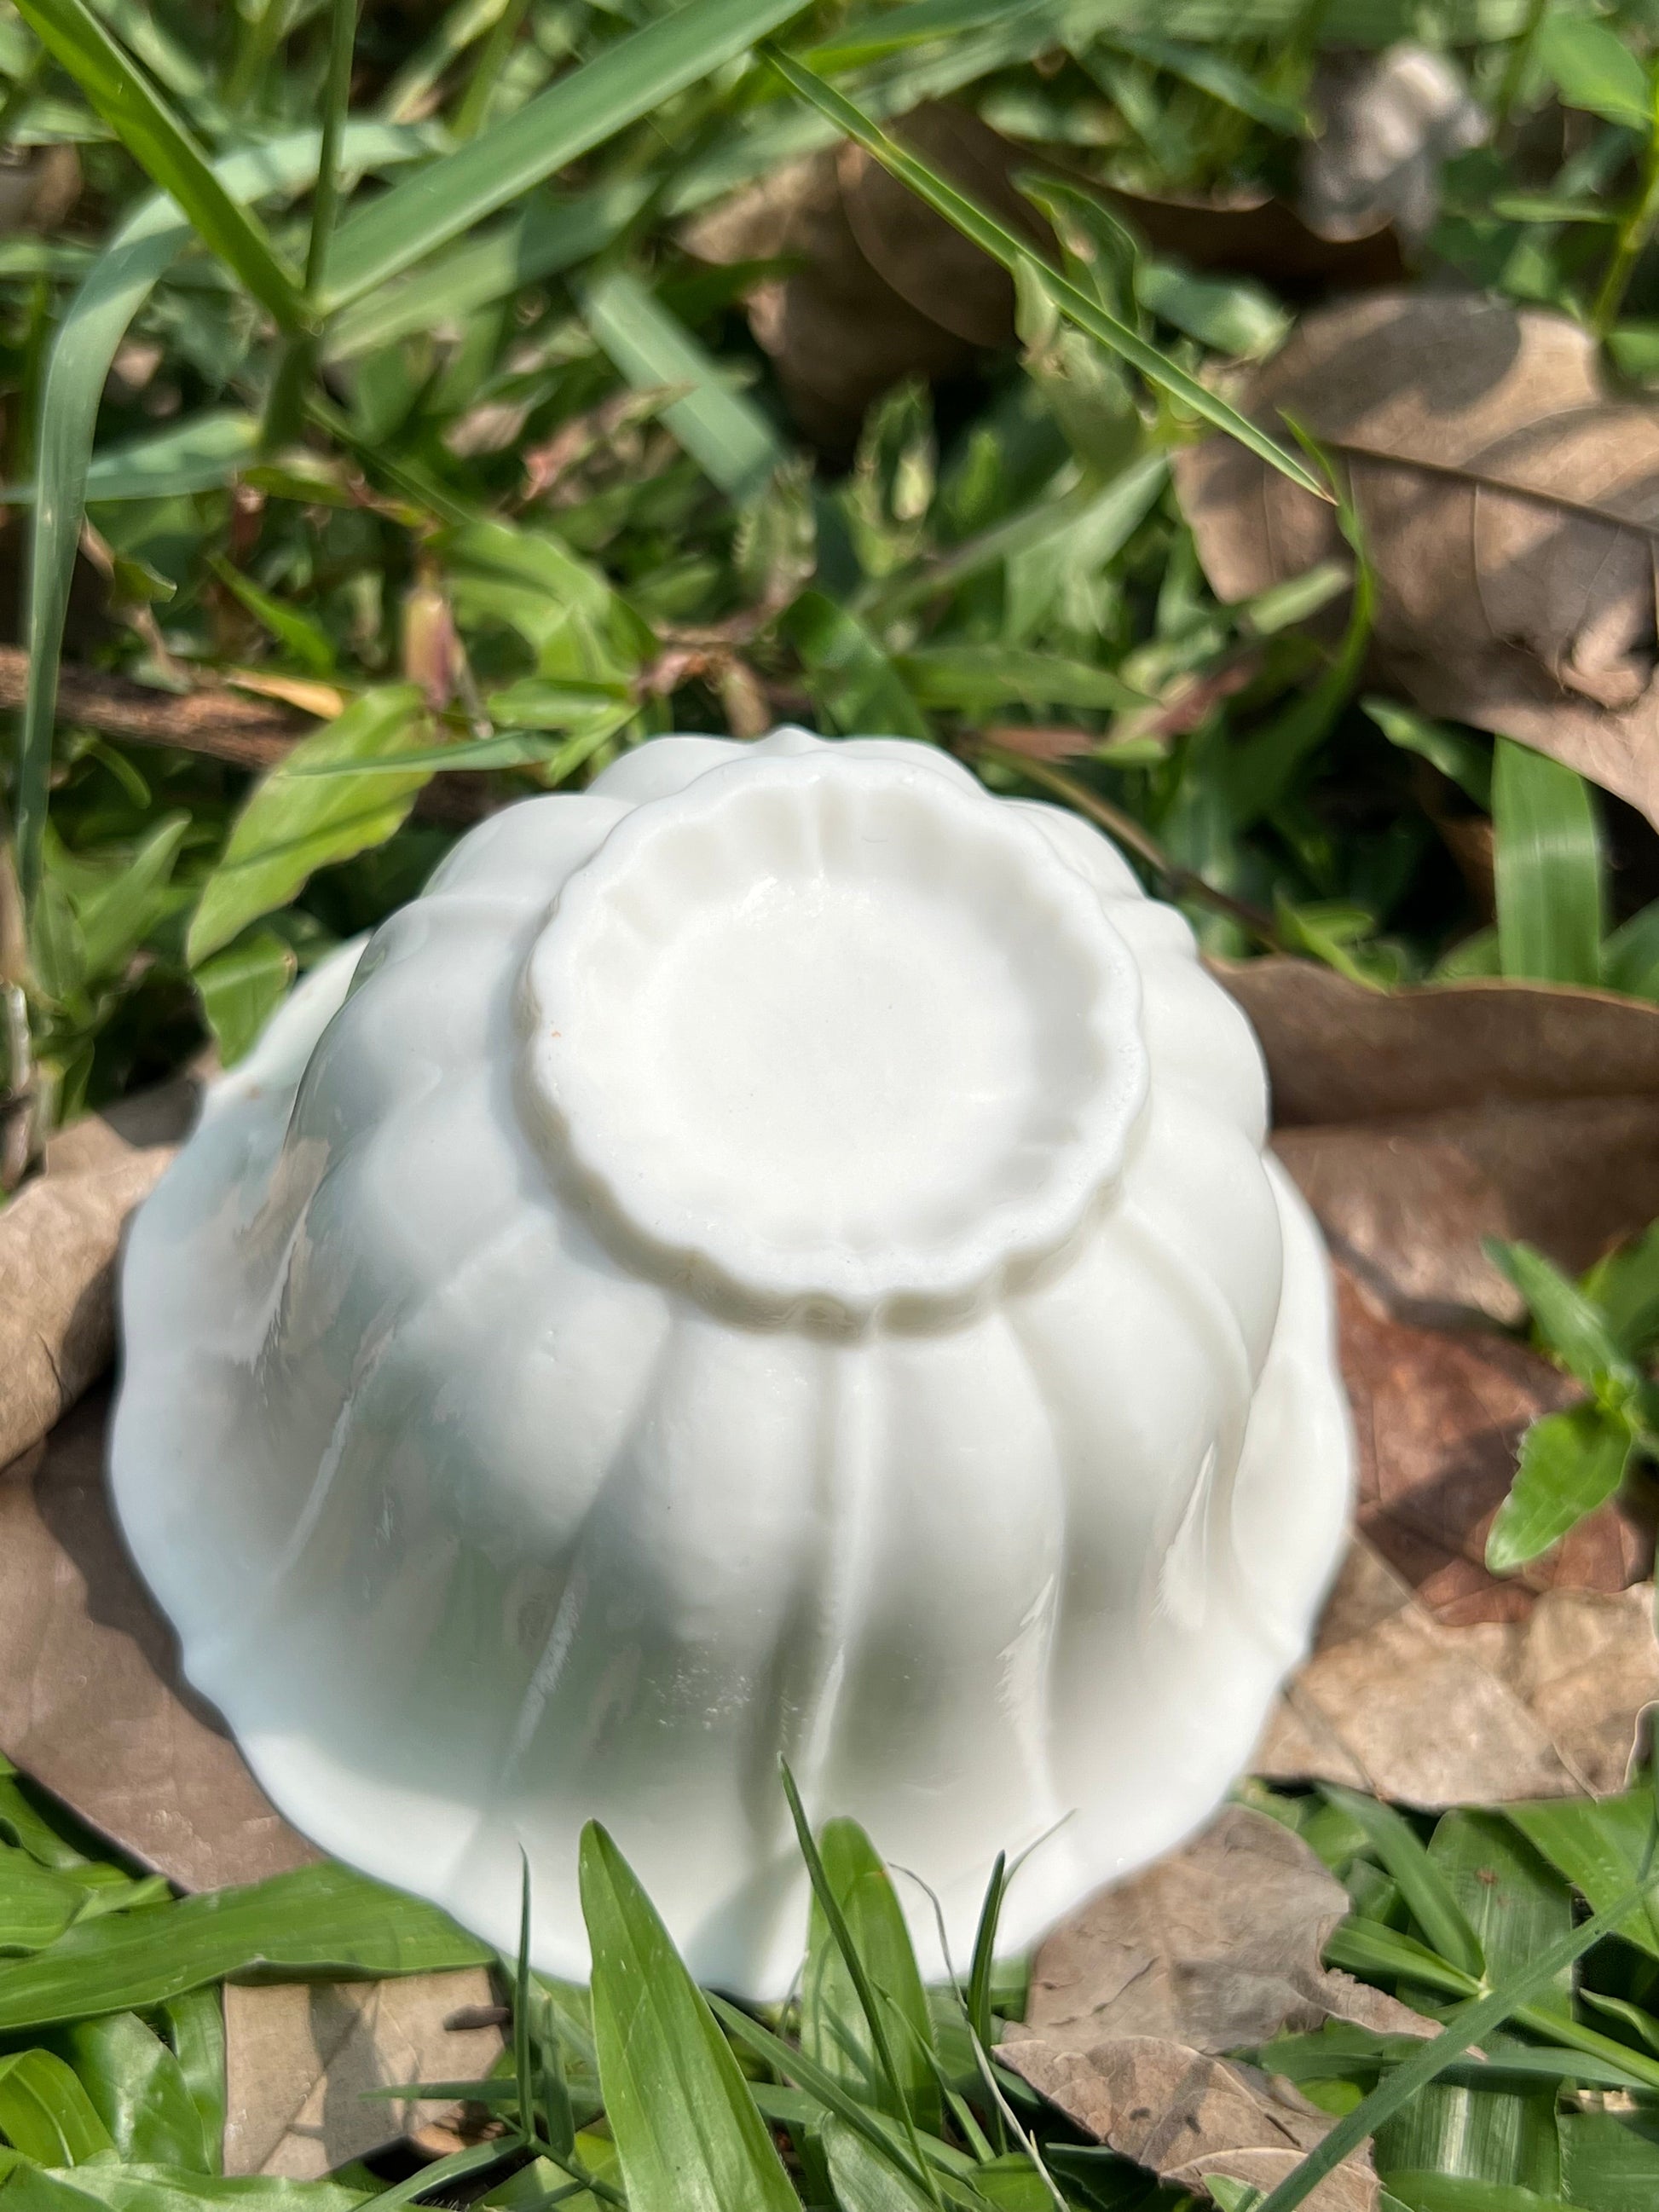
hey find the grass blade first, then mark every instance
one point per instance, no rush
(324, 1918)
(829, 1905)
(115, 288)
(689, 2137)
(337, 91)
(725, 434)
(164, 150)
(1014, 253)
(1422, 1884)
(832, 2026)
(1547, 868)
(1476, 2020)
(578, 113)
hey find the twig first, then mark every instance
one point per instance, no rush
(220, 723)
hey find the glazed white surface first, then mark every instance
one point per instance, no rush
(773, 1254)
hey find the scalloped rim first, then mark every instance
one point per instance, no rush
(571, 1105)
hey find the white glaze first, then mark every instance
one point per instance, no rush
(773, 1254)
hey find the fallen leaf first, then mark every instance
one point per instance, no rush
(1216, 1947)
(300, 2056)
(1390, 121)
(92, 1703)
(884, 288)
(1185, 2115)
(1395, 1702)
(58, 1240)
(1418, 1122)
(1508, 502)
(1439, 1417)
(1249, 233)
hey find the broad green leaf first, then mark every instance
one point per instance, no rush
(195, 2022)
(580, 111)
(294, 824)
(725, 434)
(1423, 1885)
(1547, 868)
(1016, 253)
(1571, 1463)
(116, 287)
(1475, 2021)
(119, 2188)
(1624, 1289)
(1594, 68)
(1630, 957)
(240, 988)
(833, 2028)
(321, 1919)
(1598, 1844)
(138, 2091)
(1570, 1321)
(36, 1904)
(857, 686)
(1428, 2192)
(46, 2113)
(1500, 2134)
(687, 2131)
(164, 149)
(1609, 2161)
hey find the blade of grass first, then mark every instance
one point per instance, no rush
(538, 240)
(580, 111)
(337, 91)
(324, 1917)
(1476, 2020)
(811, 2077)
(164, 150)
(92, 330)
(688, 2135)
(1422, 1884)
(1014, 253)
(1547, 868)
(829, 1905)
(725, 434)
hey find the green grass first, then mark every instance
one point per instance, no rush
(371, 358)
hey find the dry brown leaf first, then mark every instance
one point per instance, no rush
(58, 1240)
(1419, 1122)
(1395, 1702)
(1439, 1417)
(1216, 1947)
(91, 1700)
(1249, 234)
(1508, 501)
(886, 288)
(300, 2056)
(1185, 2115)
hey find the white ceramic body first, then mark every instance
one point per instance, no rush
(771, 1255)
